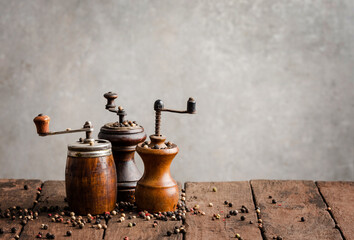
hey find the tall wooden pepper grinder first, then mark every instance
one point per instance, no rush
(90, 174)
(124, 136)
(157, 191)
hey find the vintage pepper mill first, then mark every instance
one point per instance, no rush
(124, 136)
(90, 174)
(157, 191)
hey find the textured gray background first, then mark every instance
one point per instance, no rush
(273, 82)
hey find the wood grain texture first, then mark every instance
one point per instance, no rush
(295, 199)
(340, 198)
(143, 230)
(48, 199)
(203, 227)
(6, 225)
(12, 193)
(53, 194)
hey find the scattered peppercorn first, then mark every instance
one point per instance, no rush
(169, 233)
(1, 231)
(25, 187)
(226, 202)
(274, 201)
(243, 218)
(269, 196)
(251, 222)
(228, 215)
(302, 219)
(13, 230)
(230, 204)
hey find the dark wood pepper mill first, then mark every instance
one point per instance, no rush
(124, 136)
(157, 191)
(90, 174)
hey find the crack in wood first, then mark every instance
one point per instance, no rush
(330, 212)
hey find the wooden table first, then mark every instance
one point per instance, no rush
(327, 209)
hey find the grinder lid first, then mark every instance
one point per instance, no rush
(127, 127)
(97, 148)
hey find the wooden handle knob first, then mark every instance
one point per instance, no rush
(42, 124)
(110, 99)
(191, 106)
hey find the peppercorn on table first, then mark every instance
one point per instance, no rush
(256, 209)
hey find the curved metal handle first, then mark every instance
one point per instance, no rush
(159, 107)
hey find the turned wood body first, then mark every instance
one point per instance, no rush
(124, 141)
(91, 183)
(157, 191)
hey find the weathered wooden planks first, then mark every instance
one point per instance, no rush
(143, 230)
(6, 225)
(203, 227)
(12, 193)
(340, 198)
(295, 199)
(53, 194)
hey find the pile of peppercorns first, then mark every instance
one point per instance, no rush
(125, 124)
(147, 143)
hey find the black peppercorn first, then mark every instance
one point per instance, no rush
(274, 201)
(302, 219)
(68, 233)
(269, 196)
(25, 187)
(228, 216)
(226, 202)
(230, 204)
(251, 222)
(243, 218)
(1, 231)
(13, 230)
(169, 233)
(279, 238)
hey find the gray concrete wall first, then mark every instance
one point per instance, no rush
(273, 80)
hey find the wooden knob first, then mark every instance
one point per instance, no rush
(110, 99)
(191, 106)
(42, 124)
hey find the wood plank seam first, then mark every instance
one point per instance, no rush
(34, 204)
(330, 212)
(255, 206)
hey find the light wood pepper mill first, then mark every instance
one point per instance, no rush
(90, 174)
(157, 191)
(124, 136)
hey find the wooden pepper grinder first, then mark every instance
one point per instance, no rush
(90, 174)
(124, 136)
(157, 191)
